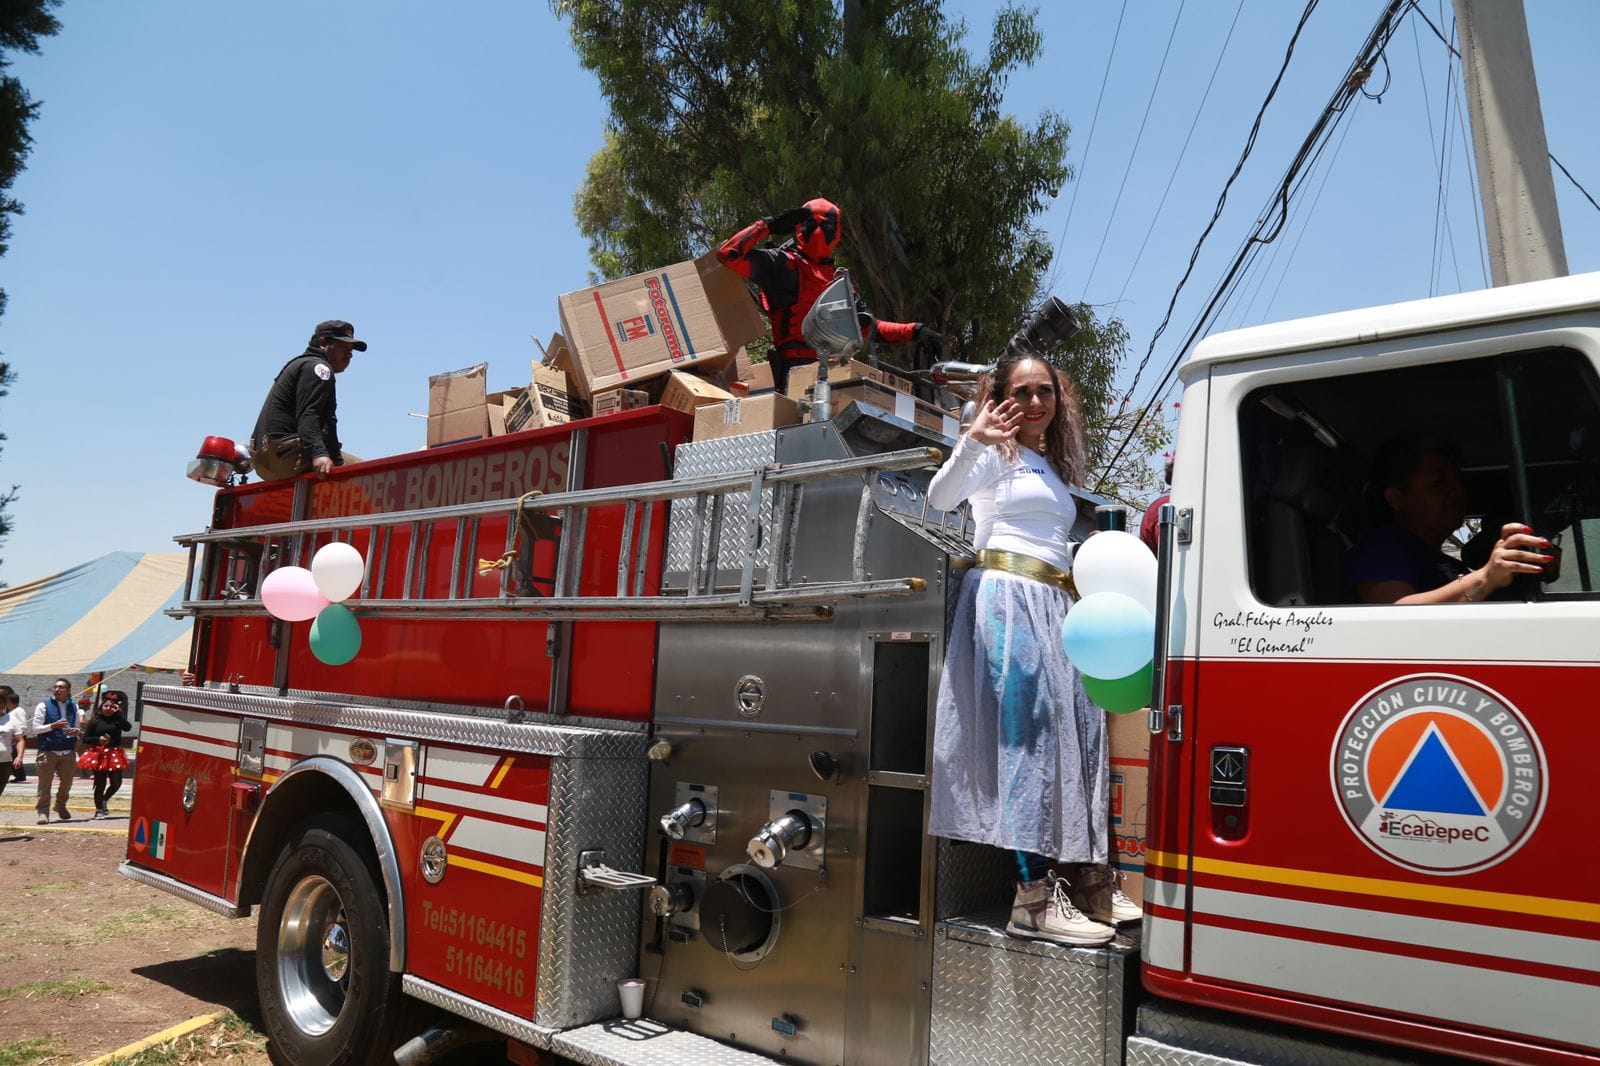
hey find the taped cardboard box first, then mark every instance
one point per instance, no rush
(750, 414)
(543, 403)
(615, 401)
(458, 406)
(902, 405)
(802, 377)
(1129, 735)
(760, 379)
(692, 315)
(686, 392)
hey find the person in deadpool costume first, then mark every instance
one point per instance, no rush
(791, 280)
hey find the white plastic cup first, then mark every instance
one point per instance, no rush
(631, 992)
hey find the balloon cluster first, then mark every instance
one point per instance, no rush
(294, 594)
(1109, 634)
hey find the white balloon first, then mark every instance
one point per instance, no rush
(1119, 562)
(337, 569)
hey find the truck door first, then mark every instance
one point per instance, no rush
(1388, 799)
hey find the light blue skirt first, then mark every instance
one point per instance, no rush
(1019, 752)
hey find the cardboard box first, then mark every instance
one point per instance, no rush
(689, 315)
(458, 407)
(615, 401)
(804, 376)
(558, 354)
(543, 403)
(1129, 735)
(752, 414)
(760, 379)
(686, 392)
(902, 405)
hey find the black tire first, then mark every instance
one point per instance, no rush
(321, 1006)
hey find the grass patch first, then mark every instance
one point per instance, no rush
(65, 988)
(158, 921)
(229, 1039)
(33, 1049)
(53, 887)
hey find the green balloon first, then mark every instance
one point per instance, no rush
(335, 635)
(1120, 696)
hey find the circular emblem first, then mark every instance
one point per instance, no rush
(1438, 774)
(322, 371)
(363, 752)
(191, 794)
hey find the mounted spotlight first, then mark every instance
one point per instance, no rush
(219, 461)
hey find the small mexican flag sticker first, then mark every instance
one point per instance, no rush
(151, 837)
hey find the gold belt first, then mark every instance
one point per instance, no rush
(1029, 567)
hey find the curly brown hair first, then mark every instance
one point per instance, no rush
(1065, 444)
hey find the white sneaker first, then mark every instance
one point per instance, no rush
(1098, 894)
(1042, 910)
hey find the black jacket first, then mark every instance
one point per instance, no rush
(111, 728)
(303, 401)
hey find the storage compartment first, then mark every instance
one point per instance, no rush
(900, 706)
(893, 876)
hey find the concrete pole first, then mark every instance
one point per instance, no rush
(1522, 224)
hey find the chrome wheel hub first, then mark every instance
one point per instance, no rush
(313, 955)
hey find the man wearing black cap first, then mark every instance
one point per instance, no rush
(298, 429)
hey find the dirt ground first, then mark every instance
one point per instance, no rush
(94, 961)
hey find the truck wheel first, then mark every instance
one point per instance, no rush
(322, 952)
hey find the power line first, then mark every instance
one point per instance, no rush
(1182, 152)
(1272, 219)
(1559, 164)
(1093, 122)
(1310, 213)
(1123, 184)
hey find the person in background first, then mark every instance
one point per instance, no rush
(1021, 759)
(1422, 501)
(1150, 524)
(11, 706)
(791, 280)
(55, 729)
(13, 735)
(298, 428)
(102, 754)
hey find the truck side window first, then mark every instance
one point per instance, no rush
(1528, 428)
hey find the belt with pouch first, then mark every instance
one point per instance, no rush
(1029, 567)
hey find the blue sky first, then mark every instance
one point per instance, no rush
(210, 180)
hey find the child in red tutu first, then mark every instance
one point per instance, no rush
(102, 748)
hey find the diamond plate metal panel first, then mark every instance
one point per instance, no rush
(648, 1043)
(1181, 1031)
(590, 942)
(1144, 1052)
(532, 737)
(720, 456)
(1035, 1001)
(472, 1010)
(972, 878)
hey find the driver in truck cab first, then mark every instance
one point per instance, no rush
(1423, 501)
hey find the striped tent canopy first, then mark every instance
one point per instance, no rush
(104, 615)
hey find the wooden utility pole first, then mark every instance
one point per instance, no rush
(1522, 224)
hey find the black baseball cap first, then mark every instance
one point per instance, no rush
(337, 330)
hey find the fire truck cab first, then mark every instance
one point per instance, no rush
(682, 735)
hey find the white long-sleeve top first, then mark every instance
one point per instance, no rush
(1019, 505)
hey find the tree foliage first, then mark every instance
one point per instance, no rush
(722, 111)
(22, 24)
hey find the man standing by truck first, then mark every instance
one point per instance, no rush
(791, 279)
(298, 428)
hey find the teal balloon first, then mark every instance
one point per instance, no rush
(1121, 695)
(1108, 634)
(335, 635)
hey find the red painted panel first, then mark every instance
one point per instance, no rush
(474, 662)
(196, 843)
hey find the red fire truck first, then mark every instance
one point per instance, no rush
(683, 736)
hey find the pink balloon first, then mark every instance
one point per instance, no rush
(291, 593)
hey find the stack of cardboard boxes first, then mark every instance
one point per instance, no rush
(673, 337)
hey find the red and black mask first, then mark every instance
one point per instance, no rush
(818, 235)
